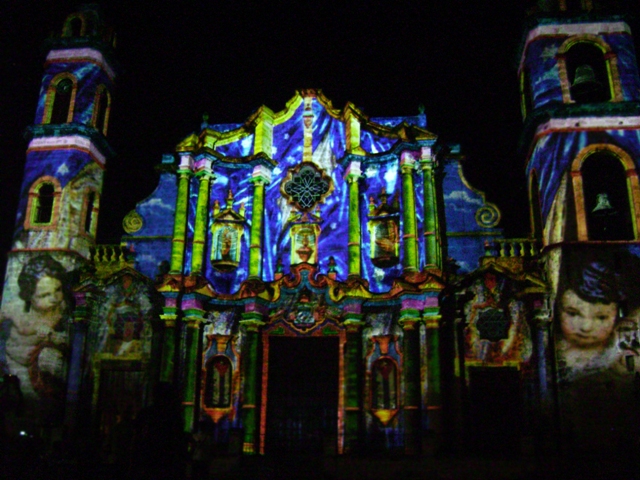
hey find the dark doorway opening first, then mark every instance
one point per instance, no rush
(495, 410)
(302, 403)
(121, 395)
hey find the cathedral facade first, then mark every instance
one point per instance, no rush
(312, 279)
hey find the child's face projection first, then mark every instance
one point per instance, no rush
(585, 324)
(48, 295)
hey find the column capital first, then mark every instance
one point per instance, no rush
(431, 321)
(252, 321)
(80, 315)
(186, 164)
(541, 317)
(354, 171)
(353, 322)
(193, 316)
(169, 319)
(426, 155)
(407, 160)
(409, 318)
(203, 168)
(261, 174)
(193, 322)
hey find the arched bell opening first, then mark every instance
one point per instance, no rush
(606, 198)
(588, 73)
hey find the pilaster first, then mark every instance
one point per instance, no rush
(74, 379)
(250, 324)
(261, 177)
(204, 175)
(193, 319)
(180, 221)
(409, 320)
(263, 138)
(410, 260)
(431, 318)
(169, 316)
(354, 173)
(433, 255)
(353, 382)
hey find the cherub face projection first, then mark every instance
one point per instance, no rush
(585, 324)
(33, 339)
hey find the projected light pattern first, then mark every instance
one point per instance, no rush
(597, 313)
(554, 152)
(328, 145)
(542, 64)
(87, 76)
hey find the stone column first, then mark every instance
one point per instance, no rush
(353, 382)
(261, 177)
(204, 175)
(193, 318)
(409, 319)
(180, 220)
(433, 255)
(431, 318)
(353, 175)
(250, 323)
(169, 316)
(74, 379)
(410, 260)
(541, 322)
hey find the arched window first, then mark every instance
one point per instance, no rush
(60, 100)
(606, 198)
(526, 92)
(571, 6)
(42, 205)
(102, 104)
(90, 206)
(384, 384)
(218, 382)
(535, 207)
(73, 26)
(588, 70)
(606, 194)
(76, 27)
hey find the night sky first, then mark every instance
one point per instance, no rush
(227, 58)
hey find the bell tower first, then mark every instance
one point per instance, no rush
(580, 93)
(58, 207)
(579, 96)
(67, 148)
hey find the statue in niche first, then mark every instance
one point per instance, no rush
(386, 241)
(304, 239)
(226, 244)
(226, 234)
(305, 251)
(383, 229)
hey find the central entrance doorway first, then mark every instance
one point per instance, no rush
(495, 413)
(302, 394)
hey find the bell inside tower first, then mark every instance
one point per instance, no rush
(587, 71)
(606, 198)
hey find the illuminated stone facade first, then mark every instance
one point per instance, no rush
(313, 279)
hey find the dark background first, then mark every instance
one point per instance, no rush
(180, 59)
